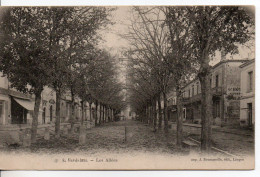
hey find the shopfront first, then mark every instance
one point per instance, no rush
(20, 108)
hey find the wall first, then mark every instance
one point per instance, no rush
(244, 111)
(48, 101)
(3, 81)
(5, 100)
(246, 95)
(228, 72)
(5, 118)
(187, 88)
(217, 71)
(231, 89)
(244, 80)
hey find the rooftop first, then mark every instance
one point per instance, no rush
(247, 63)
(218, 64)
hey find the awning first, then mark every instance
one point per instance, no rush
(29, 105)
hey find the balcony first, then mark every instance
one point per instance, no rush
(192, 99)
(186, 100)
(216, 91)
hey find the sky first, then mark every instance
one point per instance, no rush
(112, 35)
(115, 43)
(112, 39)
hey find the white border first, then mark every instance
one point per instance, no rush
(147, 173)
(124, 2)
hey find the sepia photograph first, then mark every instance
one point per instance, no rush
(127, 87)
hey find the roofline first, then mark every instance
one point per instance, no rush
(216, 65)
(226, 61)
(191, 81)
(247, 63)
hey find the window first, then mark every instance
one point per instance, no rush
(184, 113)
(210, 82)
(189, 93)
(216, 80)
(250, 81)
(217, 113)
(193, 90)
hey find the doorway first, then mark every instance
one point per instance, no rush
(51, 113)
(1, 112)
(18, 113)
(44, 115)
(249, 108)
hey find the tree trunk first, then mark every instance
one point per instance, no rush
(96, 114)
(108, 114)
(160, 111)
(179, 116)
(100, 114)
(103, 114)
(90, 111)
(57, 121)
(150, 114)
(35, 116)
(206, 111)
(82, 115)
(147, 114)
(110, 110)
(154, 114)
(113, 116)
(72, 120)
(165, 112)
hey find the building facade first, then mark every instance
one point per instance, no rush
(172, 107)
(247, 97)
(15, 107)
(225, 89)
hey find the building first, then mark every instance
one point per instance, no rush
(47, 110)
(247, 97)
(192, 100)
(172, 107)
(225, 88)
(15, 107)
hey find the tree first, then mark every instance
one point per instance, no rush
(214, 28)
(74, 30)
(148, 38)
(103, 82)
(142, 87)
(45, 42)
(180, 61)
(24, 56)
